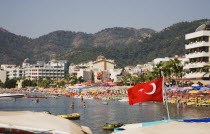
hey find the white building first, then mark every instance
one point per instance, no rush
(114, 73)
(86, 74)
(103, 64)
(54, 69)
(99, 69)
(13, 71)
(197, 51)
(3, 76)
(182, 59)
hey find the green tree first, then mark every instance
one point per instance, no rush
(29, 83)
(73, 80)
(61, 84)
(80, 79)
(206, 69)
(10, 83)
(135, 80)
(177, 68)
(44, 83)
(1, 84)
(67, 78)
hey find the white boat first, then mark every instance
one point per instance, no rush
(29, 122)
(12, 95)
(124, 99)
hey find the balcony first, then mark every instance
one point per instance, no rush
(195, 75)
(197, 54)
(195, 65)
(197, 44)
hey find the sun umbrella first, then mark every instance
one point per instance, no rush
(197, 87)
(204, 89)
(194, 85)
(189, 89)
(193, 91)
(182, 89)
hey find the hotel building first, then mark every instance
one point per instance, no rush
(197, 51)
(54, 69)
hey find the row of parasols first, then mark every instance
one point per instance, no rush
(195, 89)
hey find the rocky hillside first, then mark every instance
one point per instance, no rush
(14, 49)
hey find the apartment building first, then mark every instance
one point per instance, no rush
(197, 51)
(54, 69)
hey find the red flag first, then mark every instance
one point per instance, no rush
(149, 91)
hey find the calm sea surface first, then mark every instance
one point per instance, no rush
(96, 114)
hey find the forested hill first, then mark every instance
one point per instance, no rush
(127, 46)
(14, 49)
(166, 43)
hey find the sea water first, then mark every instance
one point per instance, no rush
(96, 114)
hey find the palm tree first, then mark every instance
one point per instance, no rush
(1, 84)
(80, 79)
(177, 67)
(135, 80)
(73, 80)
(206, 69)
(123, 79)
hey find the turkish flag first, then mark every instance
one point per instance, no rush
(148, 91)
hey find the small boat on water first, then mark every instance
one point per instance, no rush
(111, 126)
(105, 103)
(12, 95)
(124, 100)
(73, 116)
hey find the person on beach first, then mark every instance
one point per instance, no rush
(84, 105)
(37, 100)
(72, 105)
(178, 102)
(81, 98)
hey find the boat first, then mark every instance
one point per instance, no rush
(196, 126)
(73, 116)
(105, 103)
(111, 126)
(124, 100)
(139, 125)
(12, 95)
(28, 122)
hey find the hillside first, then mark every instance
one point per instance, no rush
(60, 41)
(127, 46)
(166, 43)
(12, 48)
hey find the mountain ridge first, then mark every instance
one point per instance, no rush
(127, 46)
(56, 42)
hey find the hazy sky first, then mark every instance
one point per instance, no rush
(34, 18)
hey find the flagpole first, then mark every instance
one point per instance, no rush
(165, 96)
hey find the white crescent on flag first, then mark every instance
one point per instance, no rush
(153, 90)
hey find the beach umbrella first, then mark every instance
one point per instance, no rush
(194, 85)
(197, 87)
(189, 89)
(182, 89)
(193, 91)
(171, 88)
(204, 89)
